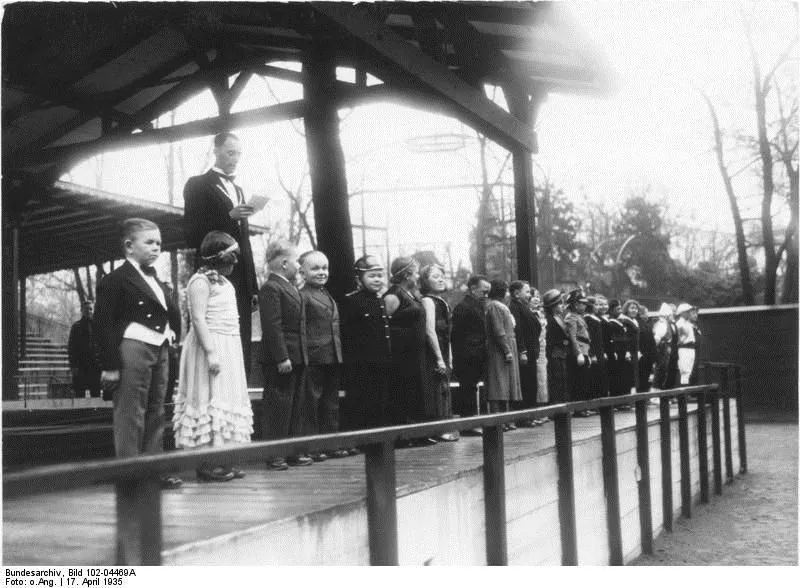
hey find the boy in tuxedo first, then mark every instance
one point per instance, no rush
(136, 319)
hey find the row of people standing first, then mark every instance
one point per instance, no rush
(599, 347)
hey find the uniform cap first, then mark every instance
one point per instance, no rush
(367, 263)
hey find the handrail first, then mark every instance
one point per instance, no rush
(138, 495)
(69, 476)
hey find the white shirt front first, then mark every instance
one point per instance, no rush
(138, 331)
(228, 185)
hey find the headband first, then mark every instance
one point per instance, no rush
(231, 249)
(404, 268)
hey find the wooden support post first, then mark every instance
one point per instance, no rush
(702, 446)
(524, 200)
(643, 457)
(381, 504)
(566, 489)
(666, 463)
(725, 387)
(11, 276)
(494, 492)
(608, 438)
(683, 444)
(139, 522)
(740, 422)
(716, 443)
(23, 316)
(326, 166)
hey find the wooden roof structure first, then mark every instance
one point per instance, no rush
(107, 71)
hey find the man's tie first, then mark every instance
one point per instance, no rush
(230, 178)
(149, 270)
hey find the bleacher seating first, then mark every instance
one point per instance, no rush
(43, 370)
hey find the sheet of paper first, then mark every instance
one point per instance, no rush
(258, 201)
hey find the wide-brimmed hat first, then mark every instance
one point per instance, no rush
(551, 298)
(576, 296)
(683, 307)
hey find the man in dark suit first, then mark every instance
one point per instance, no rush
(136, 319)
(284, 356)
(528, 329)
(213, 202)
(81, 351)
(324, 351)
(468, 339)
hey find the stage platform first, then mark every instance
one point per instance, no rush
(316, 515)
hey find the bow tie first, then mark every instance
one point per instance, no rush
(230, 178)
(149, 270)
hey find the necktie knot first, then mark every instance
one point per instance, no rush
(149, 270)
(229, 177)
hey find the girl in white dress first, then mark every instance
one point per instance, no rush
(212, 406)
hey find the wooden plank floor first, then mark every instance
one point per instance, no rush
(78, 527)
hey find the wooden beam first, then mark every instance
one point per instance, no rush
(199, 128)
(420, 69)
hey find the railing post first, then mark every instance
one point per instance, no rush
(725, 387)
(139, 522)
(702, 446)
(740, 422)
(643, 457)
(566, 489)
(608, 438)
(666, 463)
(381, 503)
(716, 443)
(494, 492)
(683, 445)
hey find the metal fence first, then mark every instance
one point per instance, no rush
(139, 520)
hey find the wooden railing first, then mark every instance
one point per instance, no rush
(139, 519)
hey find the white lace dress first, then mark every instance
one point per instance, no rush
(213, 410)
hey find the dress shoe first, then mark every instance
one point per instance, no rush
(509, 427)
(217, 474)
(238, 474)
(170, 483)
(449, 437)
(318, 456)
(476, 432)
(353, 451)
(340, 453)
(278, 464)
(299, 460)
(527, 424)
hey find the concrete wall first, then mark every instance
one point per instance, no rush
(444, 525)
(763, 340)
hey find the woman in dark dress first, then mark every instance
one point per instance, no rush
(407, 329)
(436, 373)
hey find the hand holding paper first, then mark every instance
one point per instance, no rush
(258, 202)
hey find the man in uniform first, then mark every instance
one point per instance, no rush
(578, 359)
(556, 347)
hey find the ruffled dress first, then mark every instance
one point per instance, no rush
(213, 410)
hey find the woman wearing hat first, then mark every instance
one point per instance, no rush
(686, 342)
(556, 347)
(366, 351)
(407, 329)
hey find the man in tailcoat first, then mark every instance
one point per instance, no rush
(213, 202)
